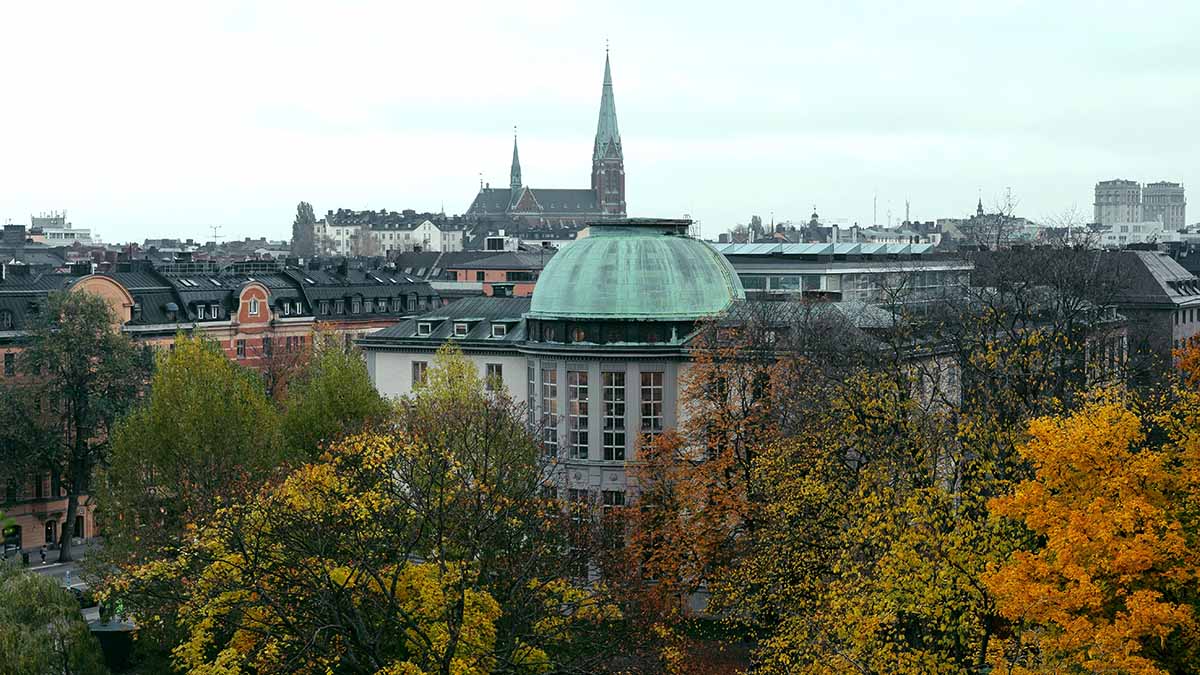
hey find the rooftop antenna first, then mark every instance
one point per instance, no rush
(875, 209)
(215, 229)
(907, 217)
(480, 180)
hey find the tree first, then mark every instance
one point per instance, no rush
(421, 546)
(303, 243)
(205, 435)
(41, 629)
(1111, 583)
(331, 396)
(88, 373)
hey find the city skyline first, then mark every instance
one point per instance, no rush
(146, 121)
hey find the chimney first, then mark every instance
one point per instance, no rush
(81, 268)
(833, 233)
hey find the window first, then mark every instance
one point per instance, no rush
(419, 368)
(611, 499)
(200, 311)
(531, 392)
(479, 276)
(339, 306)
(266, 346)
(6, 320)
(286, 308)
(493, 376)
(424, 328)
(253, 307)
(652, 403)
(396, 308)
(241, 349)
(368, 306)
(577, 413)
(215, 311)
(324, 306)
(460, 330)
(576, 495)
(355, 306)
(499, 330)
(614, 416)
(550, 410)
(10, 364)
(297, 308)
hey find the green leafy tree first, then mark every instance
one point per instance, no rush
(206, 434)
(88, 374)
(423, 547)
(331, 397)
(41, 629)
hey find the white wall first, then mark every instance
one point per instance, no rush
(392, 371)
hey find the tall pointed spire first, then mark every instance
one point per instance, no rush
(514, 180)
(608, 138)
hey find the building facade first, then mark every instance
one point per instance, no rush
(263, 314)
(1118, 201)
(867, 273)
(554, 213)
(596, 352)
(1165, 202)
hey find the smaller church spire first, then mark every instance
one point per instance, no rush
(514, 181)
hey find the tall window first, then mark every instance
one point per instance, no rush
(241, 349)
(614, 416)
(419, 369)
(652, 403)
(531, 392)
(577, 413)
(493, 376)
(10, 364)
(550, 410)
(266, 346)
(253, 307)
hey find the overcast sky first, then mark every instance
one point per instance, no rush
(163, 118)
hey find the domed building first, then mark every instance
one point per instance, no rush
(596, 352)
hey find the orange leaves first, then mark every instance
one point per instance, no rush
(1114, 578)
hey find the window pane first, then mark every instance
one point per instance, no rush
(550, 410)
(577, 413)
(614, 416)
(652, 402)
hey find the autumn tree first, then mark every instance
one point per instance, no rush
(331, 396)
(420, 546)
(1111, 584)
(41, 629)
(205, 435)
(88, 374)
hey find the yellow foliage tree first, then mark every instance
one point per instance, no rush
(1113, 587)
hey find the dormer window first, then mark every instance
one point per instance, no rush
(499, 330)
(460, 330)
(253, 311)
(339, 306)
(324, 306)
(424, 328)
(355, 306)
(200, 311)
(298, 308)
(6, 320)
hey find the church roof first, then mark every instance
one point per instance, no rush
(553, 201)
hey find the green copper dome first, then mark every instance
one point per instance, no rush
(639, 269)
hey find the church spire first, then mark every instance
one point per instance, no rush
(608, 138)
(514, 180)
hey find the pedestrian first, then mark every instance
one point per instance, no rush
(43, 554)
